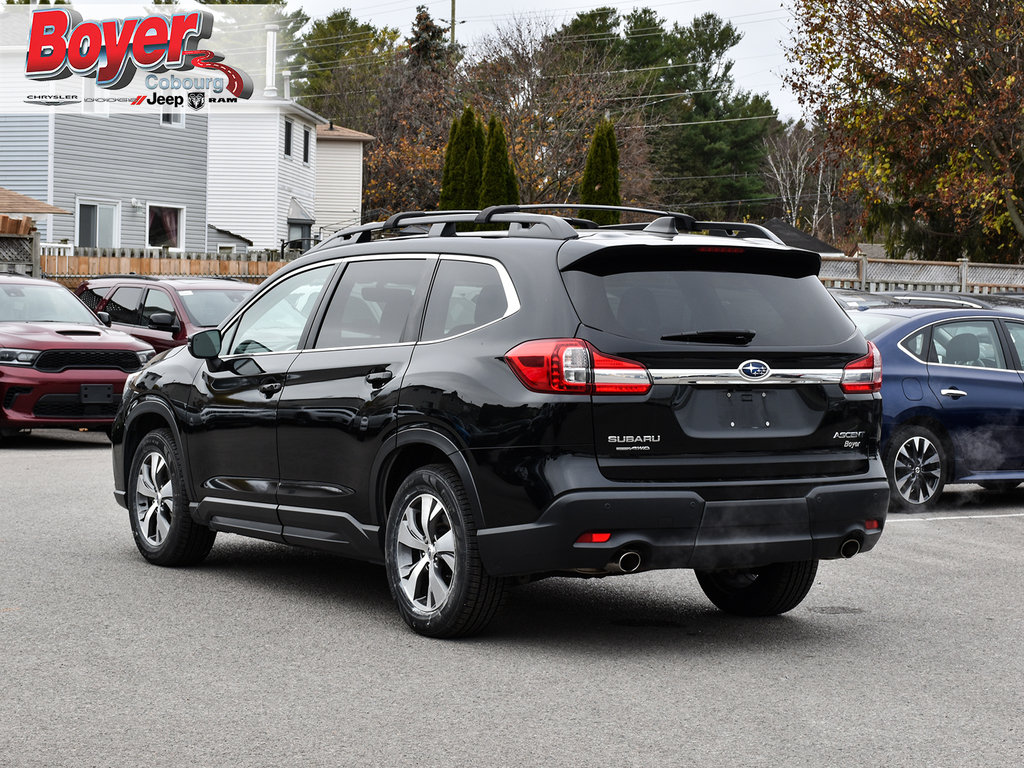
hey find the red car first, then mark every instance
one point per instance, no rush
(163, 311)
(59, 365)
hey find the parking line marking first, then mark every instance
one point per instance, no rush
(950, 517)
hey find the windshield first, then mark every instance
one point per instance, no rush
(207, 307)
(33, 303)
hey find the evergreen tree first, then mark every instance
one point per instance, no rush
(600, 184)
(448, 174)
(498, 184)
(461, 140)
(427, 45)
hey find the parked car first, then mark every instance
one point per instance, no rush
(953, 397)
(59, 365)
(165, 311)
(473, 409)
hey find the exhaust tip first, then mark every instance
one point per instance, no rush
(629, 561)
(849, 548)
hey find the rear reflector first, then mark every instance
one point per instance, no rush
(574, 366)
(871, 525)
(863, 375)
(593, 538)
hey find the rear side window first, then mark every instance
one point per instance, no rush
(371, 304)
(465, 295)
(650, 304)
(123, 305)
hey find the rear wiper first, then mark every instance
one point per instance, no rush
(713, 337)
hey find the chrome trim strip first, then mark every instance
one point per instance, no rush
(613, 376)
(732, 377)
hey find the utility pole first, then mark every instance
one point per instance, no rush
(453, 23)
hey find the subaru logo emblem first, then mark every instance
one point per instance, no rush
(755, 369)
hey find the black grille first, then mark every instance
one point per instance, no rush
(62, 359)
(12, 393)
(71, 407)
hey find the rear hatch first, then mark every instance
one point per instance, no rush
(747, 355)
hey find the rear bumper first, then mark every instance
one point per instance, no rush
(672, 528)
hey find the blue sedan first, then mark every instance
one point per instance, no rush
(953, 398)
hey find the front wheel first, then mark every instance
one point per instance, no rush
(430, 554)
(916, 465)
(164, 531)
(765, 591)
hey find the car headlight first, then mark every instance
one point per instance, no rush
(18, 356)
(145, 357)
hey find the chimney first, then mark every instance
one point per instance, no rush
(287, 76)
(270, 89)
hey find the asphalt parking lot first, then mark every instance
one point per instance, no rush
(268, 656)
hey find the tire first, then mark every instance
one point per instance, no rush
(430, 555)
(916, 466)
(765, 591)
(1000, 486)
(164, 531)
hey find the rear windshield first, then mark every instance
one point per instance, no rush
(872, 324)
(649, 305)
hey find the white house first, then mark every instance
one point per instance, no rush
(339, 177)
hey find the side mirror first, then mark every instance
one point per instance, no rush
(205, 345)
(164, 321)
(104, 318)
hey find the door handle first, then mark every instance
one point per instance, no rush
(378, 379)
(953, 392)
(271, 388)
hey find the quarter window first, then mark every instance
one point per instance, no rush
(275, 321)
(465, 295)
(372, 303)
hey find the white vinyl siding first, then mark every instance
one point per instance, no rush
(129, 159)
(297, 179)
(245, 153)
(339, 183)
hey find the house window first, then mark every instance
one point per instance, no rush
(166, 228)
(288, 138)
(170, 117)
(299, 235)
(305, 145)
(98, 225)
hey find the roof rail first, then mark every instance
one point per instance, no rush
(426, 222)
(527, 221)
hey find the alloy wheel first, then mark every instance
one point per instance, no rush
(917, 470)
(154, 498)
(426, 553)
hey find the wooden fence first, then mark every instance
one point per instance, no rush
(70, 266)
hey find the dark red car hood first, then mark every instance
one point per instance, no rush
(42, 336)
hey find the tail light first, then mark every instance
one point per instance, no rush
(574, 366)
(863, 375)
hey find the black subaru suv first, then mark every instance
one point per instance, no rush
(478, 398)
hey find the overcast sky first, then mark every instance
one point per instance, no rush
(759, 59)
